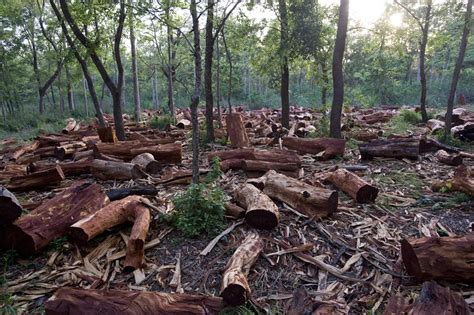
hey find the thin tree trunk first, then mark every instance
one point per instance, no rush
(324, 89)
(197, 92)
(70, 94)
(218, 82)
(424, 42)
(86, 108)
(337, 73)
(457, 68)
(208, 71)
(229, 60)
(285, 72)
(136, 88)
(155, 88)
(170, 68)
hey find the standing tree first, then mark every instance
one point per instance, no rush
(424, 24)
(285, 72)
(337, 74)
(136, 89)
(115, 88)
(457, 68)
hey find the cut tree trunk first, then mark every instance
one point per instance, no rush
(70, 126)
(89, 154)
(353, 185)
(236, 131)
(69, 168)
(264, 166)
(106, 170)
(435, 125)
(107, 134)
(25, 149)
(116, 213)
(313, 201)
(463, 180)
(165, 154)
(234, 211)
(393, 148)
(43, 179)
(33, 231)
(120, 193)
(147, 163)
(67, 150)
(278, 156)
(449, 159)
(325, 148)
(433, 299)
(440, 258)
(235, 288)
(68, 301)
(262, 213)
(10, 208)
(168, 153)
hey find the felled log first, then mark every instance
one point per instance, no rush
(440, 258)
(55, 139)
(353, 185)
(449, 159)
(234, 210)
(107, 134)
(70, 126)
(168, 153)
(67, 150)
(262, 213)
(43, 179)
(45, 151)
(106, 170)
(264, 166)
(25, 149)
(31, 232)
(278, 156)
(231, 164)
(115, 213)
(10, 208)
(236, 130)
(312, 201)
(325, 148)
(433, 299)
(183, 124)
(435, 125)
(120, 193)
(235, 288)
(147, 162)
(365, 135)
(79, 155)
(69, 168)
(393, 148)
(68, 301)
(377, 117)
(463, 180)
(464, 132)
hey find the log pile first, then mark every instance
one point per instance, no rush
(324, 148)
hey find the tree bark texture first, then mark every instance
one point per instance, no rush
(262, 213)
(354, 186)
(325, 148)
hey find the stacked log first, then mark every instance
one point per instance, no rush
(324, 148)
(312, 201)
(353, 185)
(449, 159)
(38, 180)
(392, 148)
(68, 301)
(235, 289)
(236, 130)
(440, 258)
(262, 213)
(107, 135)
(120, 193)
(10, 208)
(67, 150)
(71, 125)
(116, 213)
(33, 231)
(377, 117)
(69, 168)
(25, 149)
(168, 153)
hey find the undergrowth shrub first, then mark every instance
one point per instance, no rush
(321, 125)
(200, 209)
(160, 122)
(410, 116)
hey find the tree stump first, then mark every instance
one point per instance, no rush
(107, 134)
(33, 231)
(117, 212)
(353, 185)
(262, 213)
(68, 301)
(236, 130)
(235, 288)
(449, 159)
(463, 180)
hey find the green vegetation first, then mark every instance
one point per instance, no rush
(6, 299)
(402, 179)
(200, 209)
(161, 122)
(454, 200)
(238, 310)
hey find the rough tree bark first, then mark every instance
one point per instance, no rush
(354, 186)
(457, 68)
(285, 72)
(337, 74)
(236, 131)
(235, 288)
(136, 88)
(325, 148)
(262, 213)
(208, 56)
(39, 180)
(107, 170)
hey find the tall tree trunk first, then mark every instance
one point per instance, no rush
(324, 88)
(285, 72)
(218, 82)
(136, 88)
(86, 107)
(170, 67)
(337, 74)
(70, 94)
(457, 68)
(208, 71)
(155, 88)
(229, 60)
(424, 42)
(197, 91)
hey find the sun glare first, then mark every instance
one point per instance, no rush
(396, 19)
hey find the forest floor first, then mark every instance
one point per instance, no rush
(362, 240)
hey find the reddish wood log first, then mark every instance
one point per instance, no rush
(234, 211)
(325, 148)
(107, 134)
(236, 130)
(79, 155)
(55, 139)
(45, 152)
(365, 135)
(43, 179)
(120, 193)
(10, 208)
(69, 168)
(449, 159)
(232, 164)
(71, 125)
(264, 166)
(463, 180)
(353, 185)
(169, 153)
(28, 158)
(25, 149)
(165, 154)
(106, 170)
(313, 201)
(278, 156)
(116, 213)
(378, 117)
(69, 301)
(147, 162)
(433, 299)
(394, 148)
(262, 213)
(235, 288)
(33, 231)
(67, 150)
(440, 258)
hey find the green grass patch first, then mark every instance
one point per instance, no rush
(161, 122)
(402, 179)
(453, 201)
